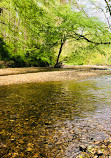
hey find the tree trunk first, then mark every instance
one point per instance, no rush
(58, 65)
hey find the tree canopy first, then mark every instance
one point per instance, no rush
(35, 32)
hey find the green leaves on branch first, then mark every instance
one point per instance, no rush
(39, 27)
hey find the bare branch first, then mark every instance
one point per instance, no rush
(88, 40)
(108, 6)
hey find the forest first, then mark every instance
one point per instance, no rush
(55, 78)
(48, 33)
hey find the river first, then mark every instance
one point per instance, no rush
(53, 119)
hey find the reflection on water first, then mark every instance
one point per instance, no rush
(52, 119)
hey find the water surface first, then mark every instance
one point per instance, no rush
(53, 119)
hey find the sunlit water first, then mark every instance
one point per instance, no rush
(53, 119)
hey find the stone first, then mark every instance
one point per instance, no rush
(95, 156)
(99, 153)
(83, 148)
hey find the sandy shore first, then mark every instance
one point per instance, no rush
(24, 75)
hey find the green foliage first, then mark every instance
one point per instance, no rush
(4, 54)
(39, 57)
(33, 30)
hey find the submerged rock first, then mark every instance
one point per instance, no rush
(98, 149)
(99, 153)
(83, 148)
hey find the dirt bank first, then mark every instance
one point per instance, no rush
(28, 75)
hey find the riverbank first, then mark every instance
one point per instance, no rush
(33, 74)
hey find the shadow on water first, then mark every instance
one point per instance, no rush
(52, 119)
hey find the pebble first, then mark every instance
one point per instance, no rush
(95, 156)
(99, 153)
(83, 148)
(96, 150)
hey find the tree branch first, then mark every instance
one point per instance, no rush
(88, 40)
(108, 6)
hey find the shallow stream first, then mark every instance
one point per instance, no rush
(53, 119)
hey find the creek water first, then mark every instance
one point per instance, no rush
(53, 119)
